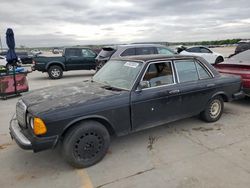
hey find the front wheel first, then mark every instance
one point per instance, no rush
(86, 144)
(9, 67)
(213, 110)
(55, 72)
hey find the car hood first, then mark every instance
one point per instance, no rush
(57, 97)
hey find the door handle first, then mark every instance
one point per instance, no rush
(174, 91)
(210, 85)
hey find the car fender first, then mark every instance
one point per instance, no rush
(224, 95)
(103, 120)
(54, 62)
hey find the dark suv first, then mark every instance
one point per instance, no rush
(117, 51)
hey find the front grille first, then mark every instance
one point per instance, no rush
(21, 113)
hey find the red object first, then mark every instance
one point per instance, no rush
(238, 65)
(7, 86)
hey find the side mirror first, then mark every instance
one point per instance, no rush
(143, 84)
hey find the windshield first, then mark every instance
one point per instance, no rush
(118, 74)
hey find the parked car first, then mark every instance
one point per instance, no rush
(125, 96)
(3, 62)
(109, 52)
(207, 54)
(71, 59)
(241, 47)
(55, 51)
(36, 52)
(239, 65)
(25, 57)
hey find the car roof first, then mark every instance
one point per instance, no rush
(134, 45)
(154, 57)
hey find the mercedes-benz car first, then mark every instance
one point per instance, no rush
(126, 95)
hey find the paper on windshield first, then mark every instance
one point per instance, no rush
(131, 64)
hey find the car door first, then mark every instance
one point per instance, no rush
(159, 102)
(195, 85)
(73, 58)
(208, 55)
(88, 59)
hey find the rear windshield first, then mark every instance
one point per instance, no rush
(106, 52)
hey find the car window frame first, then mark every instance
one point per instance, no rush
(195, 61)
(173, 72)
(205, 68)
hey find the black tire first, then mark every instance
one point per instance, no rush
(219, 60)
(99, 66)
(213, 110)
(55, 72)
(9, 67)
(86, 144)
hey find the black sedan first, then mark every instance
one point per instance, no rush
(125, 96)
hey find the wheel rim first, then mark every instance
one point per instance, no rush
(215, 108)
(55, 72)
(10, 67)
(88, 146)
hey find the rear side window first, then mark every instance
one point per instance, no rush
(205, 50)
(128, 52)
(186, 71)
(145, 51)
(159, 74)
(203, 74)
(164, 51)
(194, 50)
(73, 52)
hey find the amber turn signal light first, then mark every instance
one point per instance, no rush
(39, 127)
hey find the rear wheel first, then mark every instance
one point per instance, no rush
(213, 110)
(219, 60)
(86, 144)
(55, 72)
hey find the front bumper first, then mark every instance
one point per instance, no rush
(29, 141)
(239, 95)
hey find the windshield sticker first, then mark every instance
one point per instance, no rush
(131, 64)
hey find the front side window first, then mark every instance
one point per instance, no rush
(186, 71)
(164, 51)
(158, 74)
(145, 51)
(128, 52)
(87, 53)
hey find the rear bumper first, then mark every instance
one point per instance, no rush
(30, 142)
(239, 95)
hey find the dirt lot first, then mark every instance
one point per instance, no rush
(183, 154)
